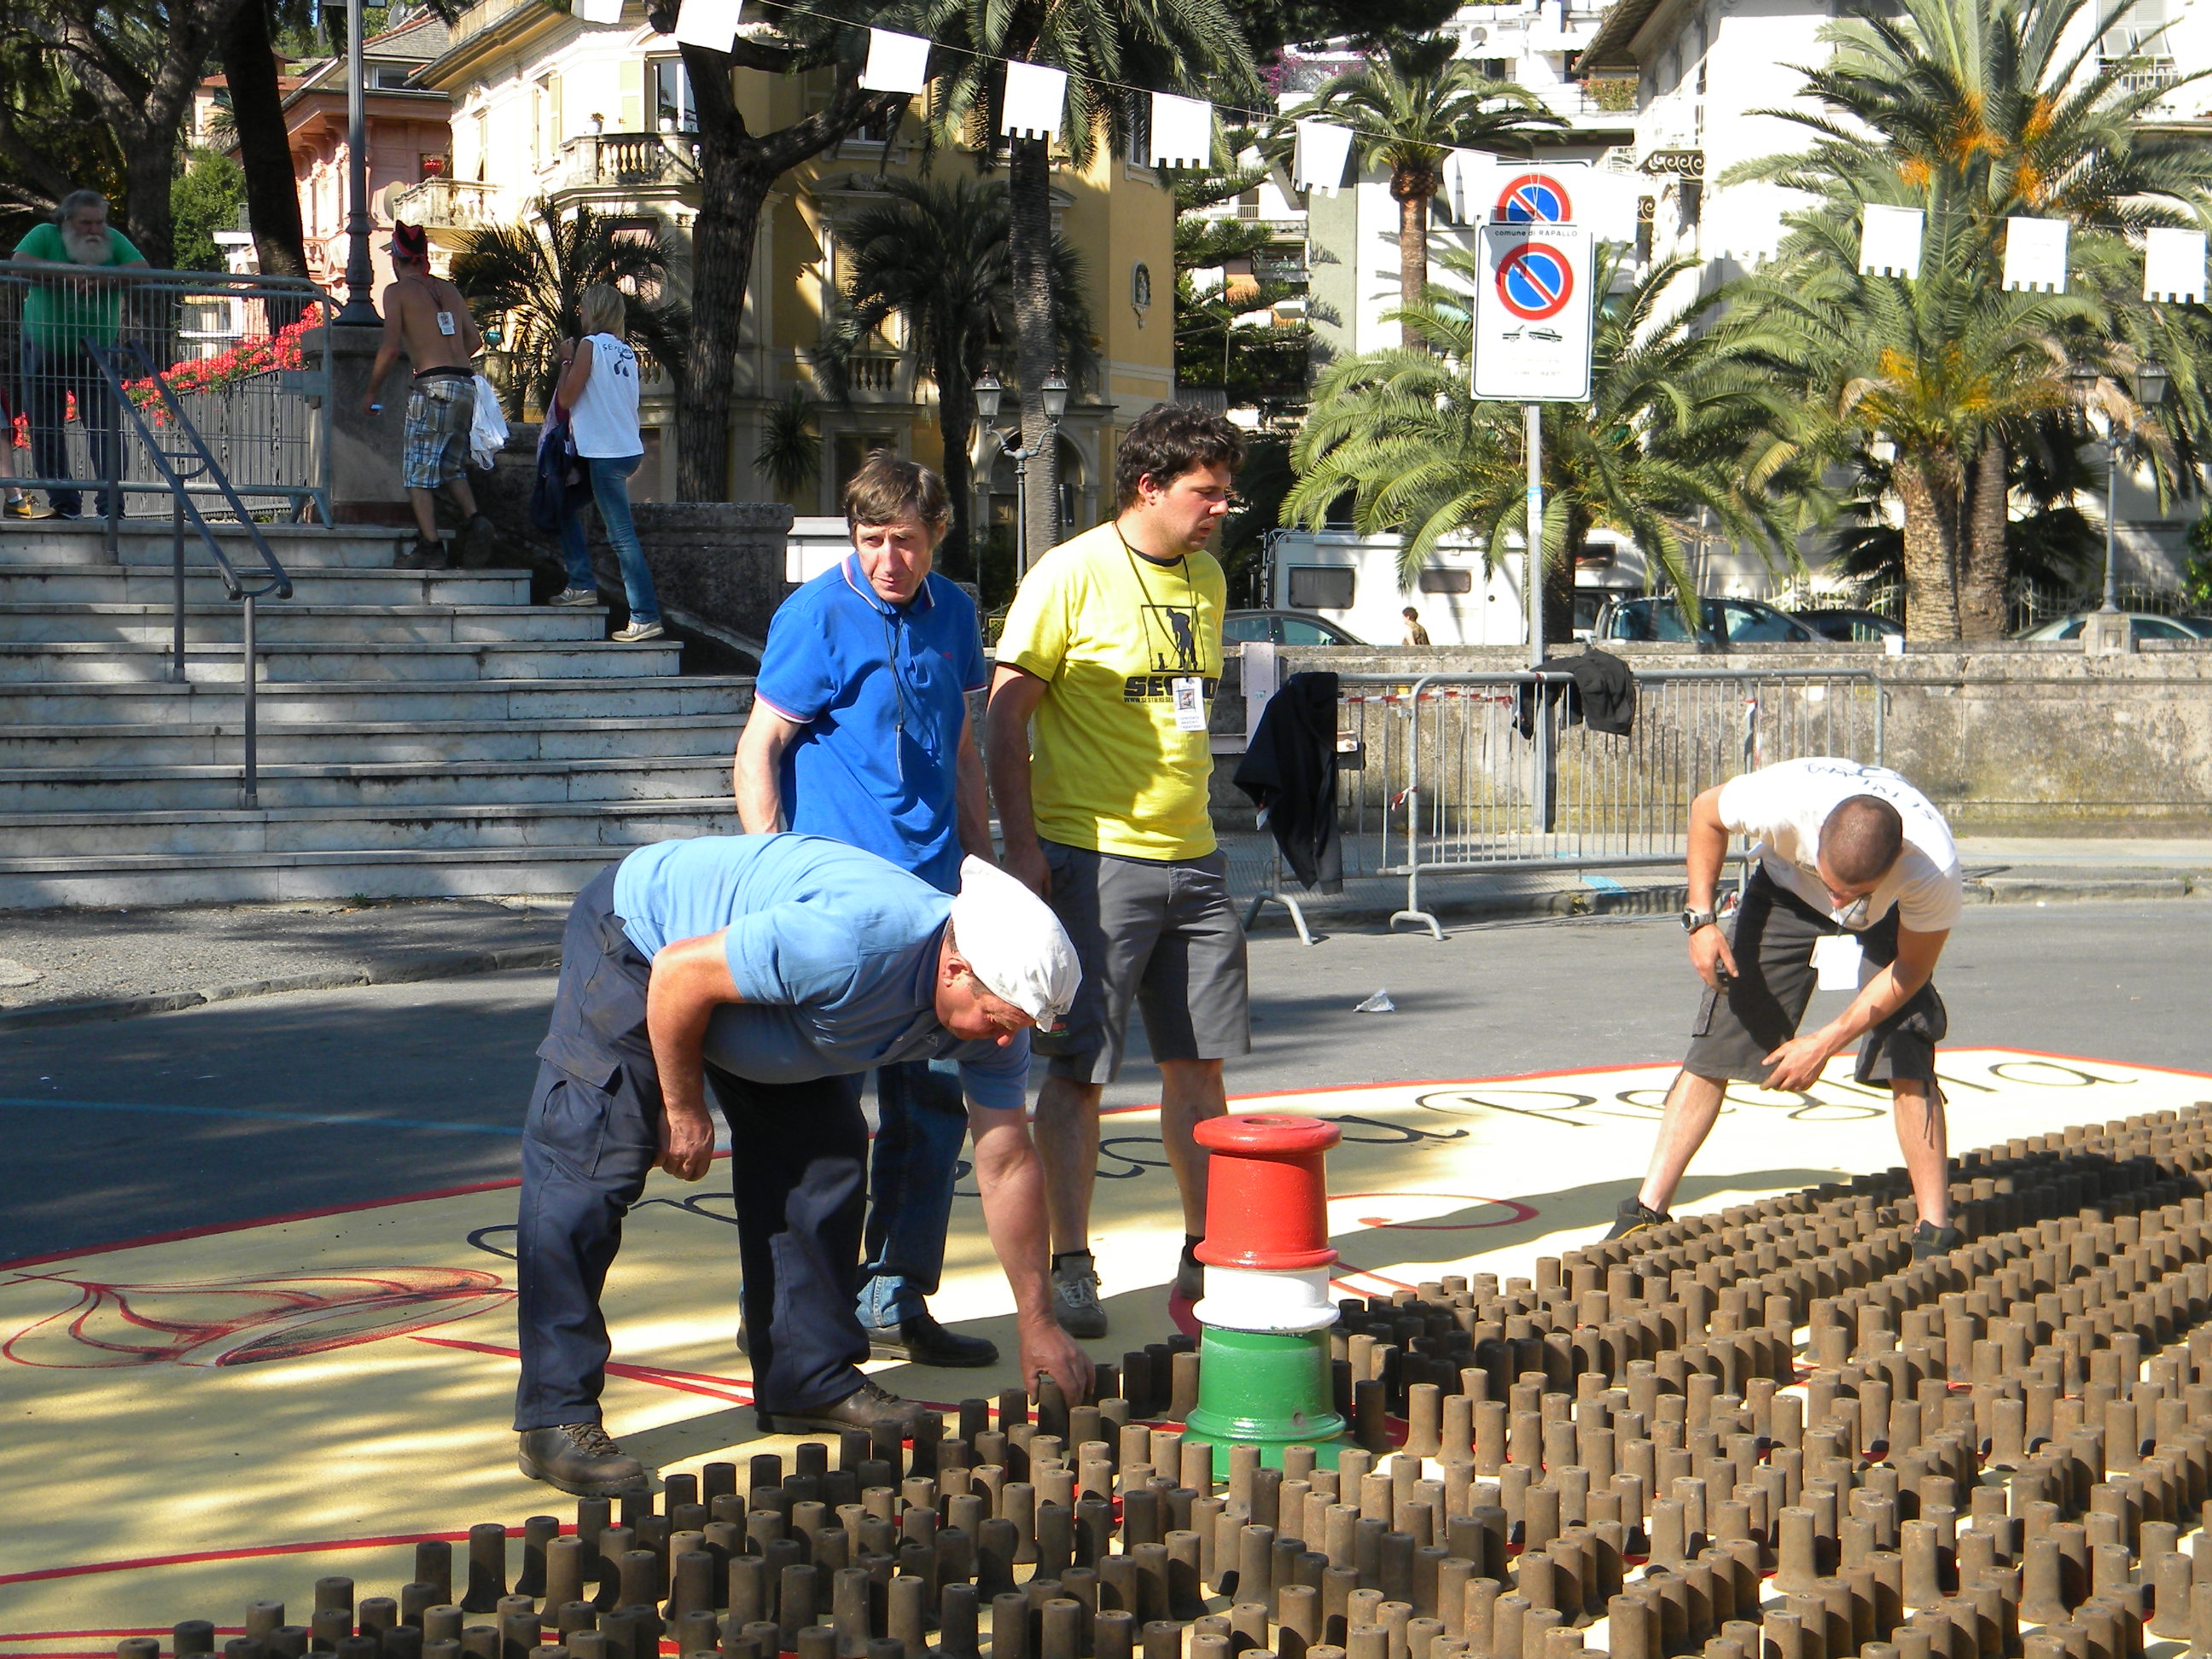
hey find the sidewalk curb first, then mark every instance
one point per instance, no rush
(452, 964)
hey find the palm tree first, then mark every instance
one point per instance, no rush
(1103, 45)
(1677, 423)
(1973, 111)
(535, 273)
(1407, 111)
(935, 256)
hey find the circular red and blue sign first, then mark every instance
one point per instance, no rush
(1535, 198)
(1535, 280)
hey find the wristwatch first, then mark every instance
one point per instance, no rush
(1694, 920)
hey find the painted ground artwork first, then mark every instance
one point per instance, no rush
(195, 1419)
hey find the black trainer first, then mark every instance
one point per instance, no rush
(920, 1341)
(1190, 1271)
(581, 1459)
(1930, 1241)
(1634, 1215)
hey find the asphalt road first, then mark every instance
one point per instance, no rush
(276, 1104)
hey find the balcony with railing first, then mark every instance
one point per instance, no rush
(444, 204)
(644, 161)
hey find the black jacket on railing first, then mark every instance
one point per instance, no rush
(1603, 692)
(1288, 770)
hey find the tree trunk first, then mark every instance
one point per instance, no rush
(1560, 581)
(1931, 604)
(1412, 255)
(265, 153)
(733, 188)
(956, 420)
(1982, 593)
(1029, 247)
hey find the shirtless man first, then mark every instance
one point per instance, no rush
(426, 317)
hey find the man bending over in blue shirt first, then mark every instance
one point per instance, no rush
(773, 969)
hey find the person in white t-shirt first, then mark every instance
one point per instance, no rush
(599, 388)
(1855, 866)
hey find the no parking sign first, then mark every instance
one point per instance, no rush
(1532, 306)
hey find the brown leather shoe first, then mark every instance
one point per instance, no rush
(866, 1406)
(581, 1458)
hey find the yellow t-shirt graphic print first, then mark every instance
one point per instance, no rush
(1111, 632)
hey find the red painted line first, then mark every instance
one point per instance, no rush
(736, 1390)
(313, 1547)
(100, 1635)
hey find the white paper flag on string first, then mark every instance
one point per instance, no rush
(1466, 176)
(1746, 222)
(1606, 204)
(896, 63)
(1889, 241)
(709, 23)
(1182, 131)
(2035, 254)
(2173, 266)
(1035, 96)
(596, 11)
(1323, 147)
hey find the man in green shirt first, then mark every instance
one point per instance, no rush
(60, 319)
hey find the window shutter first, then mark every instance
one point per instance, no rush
(632, 96)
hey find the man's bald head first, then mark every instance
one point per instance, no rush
(1861, 839)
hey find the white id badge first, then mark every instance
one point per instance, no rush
(445, 324)
(1837, 956)
(1189, 703)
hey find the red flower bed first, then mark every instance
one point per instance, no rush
(257, 353)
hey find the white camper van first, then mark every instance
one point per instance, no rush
(1353, 580)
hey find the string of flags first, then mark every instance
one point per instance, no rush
(1747, 223)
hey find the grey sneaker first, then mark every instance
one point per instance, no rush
(1075, 1295)
(575, 596)
(638, 633)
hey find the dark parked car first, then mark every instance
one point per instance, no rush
(1862, 627)
(1281, 628)
(1737, 621)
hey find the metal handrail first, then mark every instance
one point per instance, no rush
(182, 507)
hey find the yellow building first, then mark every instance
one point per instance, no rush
(544, 105)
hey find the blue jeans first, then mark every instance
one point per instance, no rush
(610, 477)
(921, 1122)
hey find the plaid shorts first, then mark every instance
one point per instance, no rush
(439, 412)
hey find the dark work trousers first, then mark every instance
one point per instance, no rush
(798, 1166)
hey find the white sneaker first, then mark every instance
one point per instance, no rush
(637, 633)
(575, 596)
(1075, 1296)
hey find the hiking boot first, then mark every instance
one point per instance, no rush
(638, 633)
(581, 1459)
(1075, 1295)
(1930, 1241)
(1634, 1215)
(424, 556)
(865, 1407)
(1190, 1271)
(920, 1341)
(575, 596)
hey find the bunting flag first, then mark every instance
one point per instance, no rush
(896, 63)
(1746, 222)
(709, 23)
(597, 11)
(1889, 241)
(1035, 96)
(1606, 204)
(2173, 266)
(1323, 147)
(1466, 176)
(1182, 131)
(2035, 255)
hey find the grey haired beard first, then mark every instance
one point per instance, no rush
(85, 250)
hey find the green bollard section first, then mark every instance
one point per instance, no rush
(1266, 1390)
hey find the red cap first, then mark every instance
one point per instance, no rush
(410, 242)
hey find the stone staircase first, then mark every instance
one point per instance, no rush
(421, 732)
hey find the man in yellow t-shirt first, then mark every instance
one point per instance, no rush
(1114, 648)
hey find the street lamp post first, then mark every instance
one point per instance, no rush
(988, 394)
(360, 308)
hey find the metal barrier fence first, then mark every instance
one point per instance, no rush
(1463, 773)
(246, 357)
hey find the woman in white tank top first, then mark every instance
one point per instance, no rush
(599, 390)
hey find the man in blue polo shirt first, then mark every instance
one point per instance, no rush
(774, 969)
(861, 731)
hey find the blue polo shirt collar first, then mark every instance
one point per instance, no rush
(855, 579)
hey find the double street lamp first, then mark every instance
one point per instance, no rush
(988, 395)
(360, 308)
(2150, 382)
